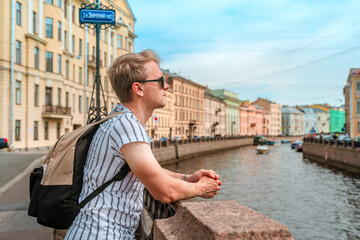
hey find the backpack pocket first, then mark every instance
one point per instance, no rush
(35, 181)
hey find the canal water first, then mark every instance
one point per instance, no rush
(313, 201)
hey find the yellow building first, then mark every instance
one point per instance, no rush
(188, 107)
(47, 79)
(352, 102)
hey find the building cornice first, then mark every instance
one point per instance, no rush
(36, 38)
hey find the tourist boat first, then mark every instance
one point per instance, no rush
(285, 141)
(268, 142)
(262, 149)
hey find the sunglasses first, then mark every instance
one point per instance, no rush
(161, 80)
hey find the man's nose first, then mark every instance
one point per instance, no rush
(166, 86)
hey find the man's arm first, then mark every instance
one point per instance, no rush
(193, 177)
(160, 184)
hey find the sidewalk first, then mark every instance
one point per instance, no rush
(15, 224)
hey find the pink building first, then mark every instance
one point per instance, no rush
(254, 120)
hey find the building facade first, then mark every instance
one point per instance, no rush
(311, 120)
(214, 115)
(275, 114)
(188, 106)
(352, 103)
(47, 80)
(293, 121)
(232, 104)
(254, 120)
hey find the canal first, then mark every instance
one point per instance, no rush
(313, 201)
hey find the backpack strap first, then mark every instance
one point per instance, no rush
(125, 169)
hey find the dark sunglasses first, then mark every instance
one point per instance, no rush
(161, 80)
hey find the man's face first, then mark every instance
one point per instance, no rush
(153, 92)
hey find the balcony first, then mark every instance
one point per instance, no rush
(54, 111)
(92, 62)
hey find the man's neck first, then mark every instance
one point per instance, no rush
(140, 111)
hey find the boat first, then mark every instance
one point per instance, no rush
(285, 141)
(262, 149)
(268, 142)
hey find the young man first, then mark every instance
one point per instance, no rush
(114, 214)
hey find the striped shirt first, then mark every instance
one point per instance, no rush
(115, 212)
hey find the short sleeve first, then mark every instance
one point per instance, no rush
(127, 129)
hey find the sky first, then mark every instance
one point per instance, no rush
(293, 52)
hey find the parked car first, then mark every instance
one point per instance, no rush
(3, 143)
(344, 140)
(177, 138)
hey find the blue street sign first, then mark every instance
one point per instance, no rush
(97, 16)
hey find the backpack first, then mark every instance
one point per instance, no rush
(55, 186)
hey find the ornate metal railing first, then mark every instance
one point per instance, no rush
(153, 209)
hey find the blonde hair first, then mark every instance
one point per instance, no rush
(127, 69)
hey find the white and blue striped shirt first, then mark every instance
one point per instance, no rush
(114, 213)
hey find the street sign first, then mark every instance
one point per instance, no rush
(97, 16)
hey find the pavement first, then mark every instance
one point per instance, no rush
(15, 224)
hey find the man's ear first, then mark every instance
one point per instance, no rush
(137, 89)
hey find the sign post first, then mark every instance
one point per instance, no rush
(97, 16)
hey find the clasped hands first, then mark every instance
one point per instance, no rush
(208, 181)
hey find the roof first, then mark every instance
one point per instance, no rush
(291, 110)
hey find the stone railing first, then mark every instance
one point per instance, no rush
(205, 220)
(344, 155)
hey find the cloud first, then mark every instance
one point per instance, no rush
(286, 50)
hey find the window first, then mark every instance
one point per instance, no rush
(105, 57)
(112, 39)
(17, 130)
(59, 3)
(73, 44)
(59, 31)
(18, 92)
(48, 96)
(73, 14)
(18, 52)
(119, 37)
(65, 8)
(67, 69)
(36, 131)
(358, 86)
(73, 102)
(80, 105)
(58, 125)
(59, 63)
(126, 43)
(49, 61)
(34, 22)
(36, 95)
(80, 75)
(358, 126)
(36, 58)
(358, 107)
(49, 1)
(65, 40)
(46, 130)
(67, 100)
(80, 47)
(59, 97)
(105, 83)
(73, 72)
(49, 27)
(18, 13)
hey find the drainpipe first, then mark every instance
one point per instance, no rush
(12, 57)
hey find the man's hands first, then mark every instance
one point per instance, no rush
(195, 177)
(208, 181)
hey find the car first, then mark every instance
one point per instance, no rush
(3, 143)
(177, 138)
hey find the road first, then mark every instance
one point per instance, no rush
(15, 169)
